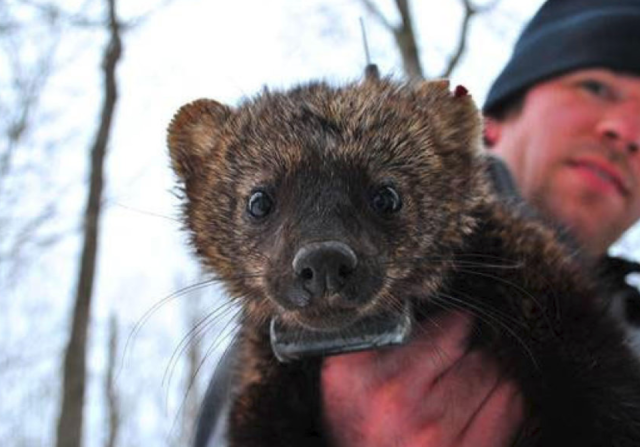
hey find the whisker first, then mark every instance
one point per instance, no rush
(442, 355)
(479, 312)
(495, 258)
(477, 304)
(515, 266)
(513, 285)
(192, 379)
(226, 332)
(146, 213)
(456, 261)
(445, 300)
(173, 296)
(194, 335)
(147, 315)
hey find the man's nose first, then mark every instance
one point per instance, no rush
(620, 127)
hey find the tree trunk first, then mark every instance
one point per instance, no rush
(406, 41)
(70, 422)
(113, 403)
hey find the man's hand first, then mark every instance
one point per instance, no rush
(432, 392)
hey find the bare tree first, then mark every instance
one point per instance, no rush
(70, 422)
(405, 36)
(113, 401)
(26, 70)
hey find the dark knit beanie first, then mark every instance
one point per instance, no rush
(566, 35)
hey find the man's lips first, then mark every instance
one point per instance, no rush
(606, 172)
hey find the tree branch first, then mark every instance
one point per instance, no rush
(470, 10)
(403, 34)
(375, 12)
(486, 8)
(70, 423)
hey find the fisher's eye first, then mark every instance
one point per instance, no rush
(386, 201)
(260, 204)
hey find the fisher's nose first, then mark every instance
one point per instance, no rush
(324, 268)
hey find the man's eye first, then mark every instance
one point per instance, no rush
(597, 88)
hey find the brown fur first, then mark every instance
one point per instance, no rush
(321, 152)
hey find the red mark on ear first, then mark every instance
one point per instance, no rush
(460, 91)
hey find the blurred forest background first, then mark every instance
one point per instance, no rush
(107, 339)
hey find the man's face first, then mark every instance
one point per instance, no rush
(573, 150)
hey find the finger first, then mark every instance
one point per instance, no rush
(494, 424)
(498, 420)
(437, 346)
(459, 393)
(384, 384)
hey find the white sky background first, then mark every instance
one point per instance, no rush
(225, 50)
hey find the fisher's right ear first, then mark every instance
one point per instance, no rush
(195, 136)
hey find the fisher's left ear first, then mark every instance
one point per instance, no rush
(453, 111)
(441, 89)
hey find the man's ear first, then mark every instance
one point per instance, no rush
(194, 135)
(492, 132)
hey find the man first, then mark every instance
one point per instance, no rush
(564, 116)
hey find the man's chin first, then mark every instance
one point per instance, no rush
(594, 232)
(589, 223)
